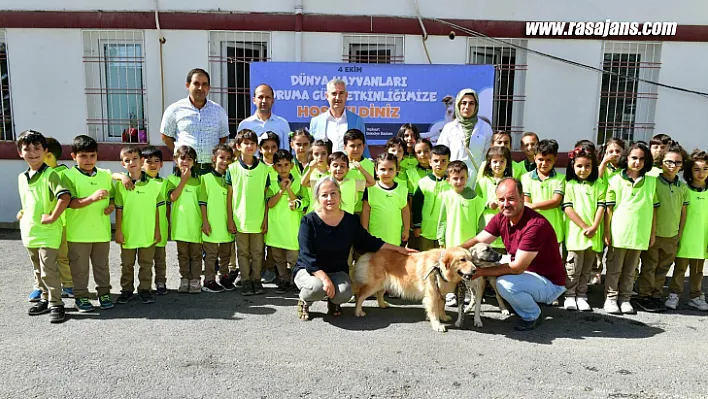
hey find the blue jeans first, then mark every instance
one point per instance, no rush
(522, 291)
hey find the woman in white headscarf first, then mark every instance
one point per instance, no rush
(468, 136)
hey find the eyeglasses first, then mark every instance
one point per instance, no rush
(669, 162)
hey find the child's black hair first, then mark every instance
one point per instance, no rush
(660, 139)
(54, 147)
(585, 142)
(582, 151)
(131, 149)
(246, 135)
(441, 150)
(648, 160)
(151, 151)
(457, 167)
(320, 143)
(502, 133)
(337, 156)
(269, 136)
(696, 155)
(676, 148)
(83, 143)
(282, 155)
(394, 141)
(386, 156)
(300, 132)
(547, 147)
(222, 147)
(402, 133)
(425, 141)
(499, 151)
(354, 134)
(603, 148)
(185, 151)
(31, 137)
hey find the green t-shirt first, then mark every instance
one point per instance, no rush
(431, 190)
(518, 169)
(212, 195)
(414, 175)
(350, 189)
(633, 206)
(284, 223)
(88, 224)
(39, 195)
(539, 191)
(486, 189)
(162, 210)
(459, 217)
(353, 173)
(248, 202)
(60, 169)
(673, 196)
(185, 214)
(139, 207)
(694, 241)
(585, 198)
(386, 219)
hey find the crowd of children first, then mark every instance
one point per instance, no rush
(640, 204)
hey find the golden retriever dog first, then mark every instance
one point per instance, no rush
(425, 276)
(482, 256)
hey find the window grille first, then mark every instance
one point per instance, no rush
(373, 49)
(230, 54)
(7, 129)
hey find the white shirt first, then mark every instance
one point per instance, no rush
(275, 124)
(200, 129)
(336, 127)
(453, 137)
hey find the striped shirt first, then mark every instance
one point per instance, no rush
(200, 129)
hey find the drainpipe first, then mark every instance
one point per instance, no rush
(298, 30)
(162, 69)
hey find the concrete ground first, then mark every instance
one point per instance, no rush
(226, 345)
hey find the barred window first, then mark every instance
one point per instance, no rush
(509, 80)
(7, 129)
(373, 49)
(230, 54)
(627, 106)
(114, 66)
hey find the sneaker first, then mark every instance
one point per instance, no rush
(235, 277)
(583, 304)
(83, 305)
(183, 285)
(283, 286)
(67, 292)
(698, 303)
(596, 280)
(124, 297)
(212, 286)
(247, 289)
(569, 303)
(626, 308)
(258, 288)
(647, 304)
(451, 300)
(146, 297)
(105, 301)
(225, 282)
(267, 277)
(195, 286)
(35, 296)
(40, 307)
(57, 314)
(672, 302)
(161, 289)
(611, 307)
(659, 304)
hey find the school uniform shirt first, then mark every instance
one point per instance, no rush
(673, 196)
(248, 203)
(459, 217)
(414, 175)
(185, 214)
(585, 198)
(544, 190)
(39, 193)
(164, 223)
(519, 169)
(654, 172)
(633, 204)
(60, 169)
(88, 224)
(284, 221)
(353, 173)
(139, 207)
(350, 188)
(486, 189)
(694, 241)
(385, 219)
(426, 205)
(212, 195)
(408, 161)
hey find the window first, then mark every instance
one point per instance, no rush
(373, 49)
(7, 128)
(230, 54)
(627, 106)
(509, 80)
(115, 90)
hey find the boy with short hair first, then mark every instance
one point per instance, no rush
(460, 208)
(217, 240)
(152, 163)
(544, 187)
(425, 202)
(359, 168)
(338, 166)
(247, 213)
(529, 142)
(43, 199)
(88, 223)
(658, 144)
(137, 226)
(285, 204)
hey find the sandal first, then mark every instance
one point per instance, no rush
(333, 309)
(303, 310)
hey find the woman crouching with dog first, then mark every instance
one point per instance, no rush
(326, 237)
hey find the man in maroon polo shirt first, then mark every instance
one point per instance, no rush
(536, 272)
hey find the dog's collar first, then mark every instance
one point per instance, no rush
(436, 268)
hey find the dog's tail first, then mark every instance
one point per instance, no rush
(361, 268)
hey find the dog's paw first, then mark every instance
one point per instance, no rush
(459, 323)
(478, 322)
(505, 312)
(445, 317)
(359, 313)
(439, 328)
(384, 305)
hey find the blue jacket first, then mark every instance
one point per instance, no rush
(318, 127)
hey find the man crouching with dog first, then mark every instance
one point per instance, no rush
(536, 272)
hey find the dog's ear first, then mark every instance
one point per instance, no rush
(446, 260)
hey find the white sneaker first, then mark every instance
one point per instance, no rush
(569, 303)
(451, 300)
(583, 304)
(611, 307)
(672, 302)
(627, 308)
(195, 286)
(183, 285)
(699, 303)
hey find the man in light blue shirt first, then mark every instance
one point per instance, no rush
(337, 120)
(264, 120)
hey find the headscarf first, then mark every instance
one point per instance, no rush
(467, 124)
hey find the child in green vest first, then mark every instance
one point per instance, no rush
(497, 165)
(385, 212)
(152, 163)
(426, 200)
(316, 168)
(410, 135)
(422, 150)
(359, 168)
(43, 199)
(396, 146)
(268, 144)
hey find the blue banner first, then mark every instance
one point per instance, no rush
(384, 95)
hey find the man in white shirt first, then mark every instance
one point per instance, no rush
(264, 120)
(196, 121)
